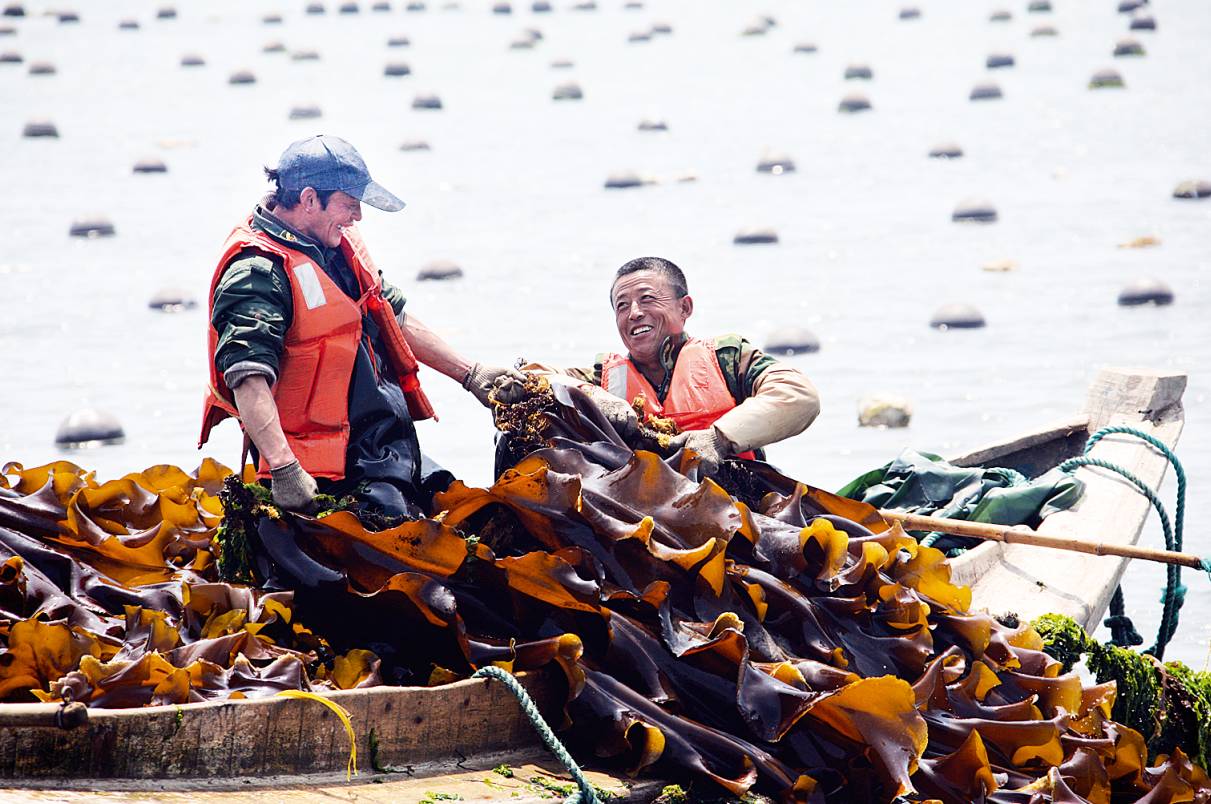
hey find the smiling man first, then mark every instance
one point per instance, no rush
(311, 350)
(726, 396)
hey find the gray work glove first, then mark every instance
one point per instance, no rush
(616, 411)
(509, 390)
(293, 488)
(480, 378)
(712, 448)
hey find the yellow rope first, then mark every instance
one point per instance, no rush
(343, 714)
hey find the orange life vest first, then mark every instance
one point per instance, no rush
(698, 394)
(312, 389)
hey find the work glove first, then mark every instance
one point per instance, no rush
(616, 411)
(293, 488)
(480, 378)
(712, 448)
(509, 390)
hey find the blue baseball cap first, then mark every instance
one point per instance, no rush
(329, 163)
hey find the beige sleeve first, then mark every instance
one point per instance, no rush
(783, 404)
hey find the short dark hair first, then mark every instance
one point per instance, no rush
(289, 199)
(672, 274)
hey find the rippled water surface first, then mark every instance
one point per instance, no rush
(512, 190)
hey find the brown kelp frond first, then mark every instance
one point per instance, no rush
(786, 642)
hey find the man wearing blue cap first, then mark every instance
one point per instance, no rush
(311, 350)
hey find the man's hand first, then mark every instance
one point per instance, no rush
(480, 378)
(293, 488)
(711, 447)
(508, 389)
(616, 411)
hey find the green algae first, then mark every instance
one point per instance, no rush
(1169, 704)
(242, 503)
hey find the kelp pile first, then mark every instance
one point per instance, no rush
(768, 637)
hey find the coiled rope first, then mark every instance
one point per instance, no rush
(1122, 630)
(586, 794)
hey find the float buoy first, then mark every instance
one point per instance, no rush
(89, 428)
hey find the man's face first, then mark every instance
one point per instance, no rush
(324, 224)
(647, 311)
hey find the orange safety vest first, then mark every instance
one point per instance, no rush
(312, 390)
(698, 394)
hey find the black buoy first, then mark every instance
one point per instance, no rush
(271, 19)
(946, 150)
(632, 5)
(315, 8)
(859, 72)
(150, 165)
(347, 8)
(776, 164)
(974, 210)
(241, 77)
(427, 101)
(540, 7)
(192, 60)
(1143, 22)
(1000, 15)
(68, 16)
(166, 13)
(910, 13)
(986, 91)
(14, 10)
(399, 41)
(305, 55)
(415, 6)
(89, 428)
(1106, 79)
(7, 30)
(128, 25)
(306, 111)
(1127, 6)
(752, 237)
(662, 28)
(41, 68)
(805, 47)
(396, 69)
(636, 37)
(567, 91)
(1044, 30)
(1145, 291)
(273, 47)
(172, 300)
(439, 270)
(1039, 6)
(1128, 47)
(852, 103)
(755, 29)
(502, 8)
(11, 57)
(381, 6)
(92, 227)
(1194, 188)
(792, 341)
(623, 181)
(957, 316)
(414, 145)
(653, 125)
(585, 5)
(40, 128)
(996, 61)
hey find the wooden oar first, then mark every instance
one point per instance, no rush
(1020, 534)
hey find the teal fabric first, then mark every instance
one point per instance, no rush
(921, 483)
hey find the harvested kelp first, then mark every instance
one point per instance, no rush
(788, 642)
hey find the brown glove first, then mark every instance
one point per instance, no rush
(712, 448)
(480, 379)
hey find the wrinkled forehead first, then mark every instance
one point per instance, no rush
(639, 282)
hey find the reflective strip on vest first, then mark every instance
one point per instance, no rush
(615, 381)
(309, 285)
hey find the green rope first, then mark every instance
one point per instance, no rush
(1122, 631)
(586, 794)
(1013, 478)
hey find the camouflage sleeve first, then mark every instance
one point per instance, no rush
(589, 375)
(742, 364)
(252, 311)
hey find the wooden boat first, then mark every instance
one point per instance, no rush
(415, 741)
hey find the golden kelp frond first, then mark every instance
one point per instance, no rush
(755, 632)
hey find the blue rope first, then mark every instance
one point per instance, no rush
(586, 794)
(1122, 630)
